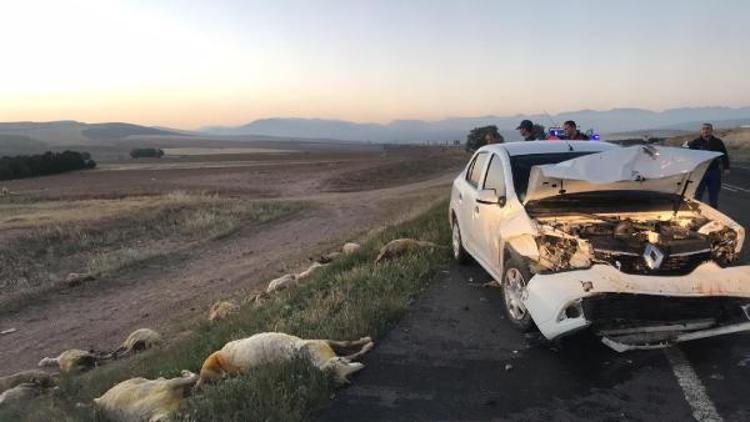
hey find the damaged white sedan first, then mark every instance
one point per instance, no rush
(592, 235)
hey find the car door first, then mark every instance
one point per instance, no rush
(490, 215)
(467, 200)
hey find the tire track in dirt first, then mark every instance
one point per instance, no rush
(168, 294)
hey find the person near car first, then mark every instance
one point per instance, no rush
(712, 179)
(526, 129)
(572, 133)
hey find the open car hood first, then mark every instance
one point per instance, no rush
(640, 167)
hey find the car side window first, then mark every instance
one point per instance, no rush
(495, 179)
(474, 172)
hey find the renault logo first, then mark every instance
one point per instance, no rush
(653, 256)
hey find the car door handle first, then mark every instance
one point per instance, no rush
(460, 196)
(476, 209)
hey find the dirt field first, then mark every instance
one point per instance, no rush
(164, 278)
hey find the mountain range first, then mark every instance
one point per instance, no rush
(24, 137)
(612, 121)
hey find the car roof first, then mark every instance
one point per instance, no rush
(549, 147)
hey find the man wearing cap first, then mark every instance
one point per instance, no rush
(712, 178)
(572, 133)
(526, 129)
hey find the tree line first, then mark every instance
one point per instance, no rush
(147, 153)
(477, 137)
(22, 166)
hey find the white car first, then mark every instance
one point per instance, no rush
(593, 235)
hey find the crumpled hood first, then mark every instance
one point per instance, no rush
(640, 167)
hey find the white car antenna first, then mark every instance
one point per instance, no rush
(554, 123)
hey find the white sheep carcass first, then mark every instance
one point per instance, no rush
(309, 271)
(138, 341)
(222, 309)
(240, 356)
(350, 248)
(72, 360)
(281, 283)
(399, 247)
(142, 399)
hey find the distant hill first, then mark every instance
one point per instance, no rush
(20, 144)
(61, 133)
(605, 122)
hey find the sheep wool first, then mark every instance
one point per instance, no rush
(71, 360)
(222, 309)
(399, 247)
(260, 349)
(281, 283)
(139, 340)
(350, 248)
(141, 399)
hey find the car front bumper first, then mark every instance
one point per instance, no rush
(656, 310)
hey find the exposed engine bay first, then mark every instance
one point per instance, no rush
(634, 245)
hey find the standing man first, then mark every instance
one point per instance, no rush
(526, 129)
(572, 133)
(712, 179)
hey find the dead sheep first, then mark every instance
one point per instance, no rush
(350, 248)
(399, 247)
(281, 283)
(138, 341)
(72, 360)
(34, 376)
(21, 393)
(76, 279)
(222, 309)
(308, 272)
(329, 257)
(242, 355)
(142, 399)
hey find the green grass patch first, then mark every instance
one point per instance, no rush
(348, 299)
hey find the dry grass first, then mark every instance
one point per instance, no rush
(222, 151)
(126, 233)
(114, 261)
(21, 214)
(348, 299)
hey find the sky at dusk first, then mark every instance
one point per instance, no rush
(188, 64)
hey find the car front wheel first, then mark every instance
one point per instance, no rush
(459, 253)
(515, 277)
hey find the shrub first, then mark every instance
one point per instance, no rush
(147, 153)
(22, 166)
(476, 138)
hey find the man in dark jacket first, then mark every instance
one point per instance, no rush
(712, 179)
(526, 129)
(572, 133)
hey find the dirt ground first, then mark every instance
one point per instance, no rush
(350, 191)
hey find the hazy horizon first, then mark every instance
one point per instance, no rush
(190, 64)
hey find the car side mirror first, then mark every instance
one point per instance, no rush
(489, 197)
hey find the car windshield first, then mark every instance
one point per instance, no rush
(521, 165)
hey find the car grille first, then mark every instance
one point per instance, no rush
(671, 265)
(650, 308)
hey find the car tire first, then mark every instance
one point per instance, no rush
(516, 275)
(459, 253)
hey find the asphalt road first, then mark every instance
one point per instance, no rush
(454, 357)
